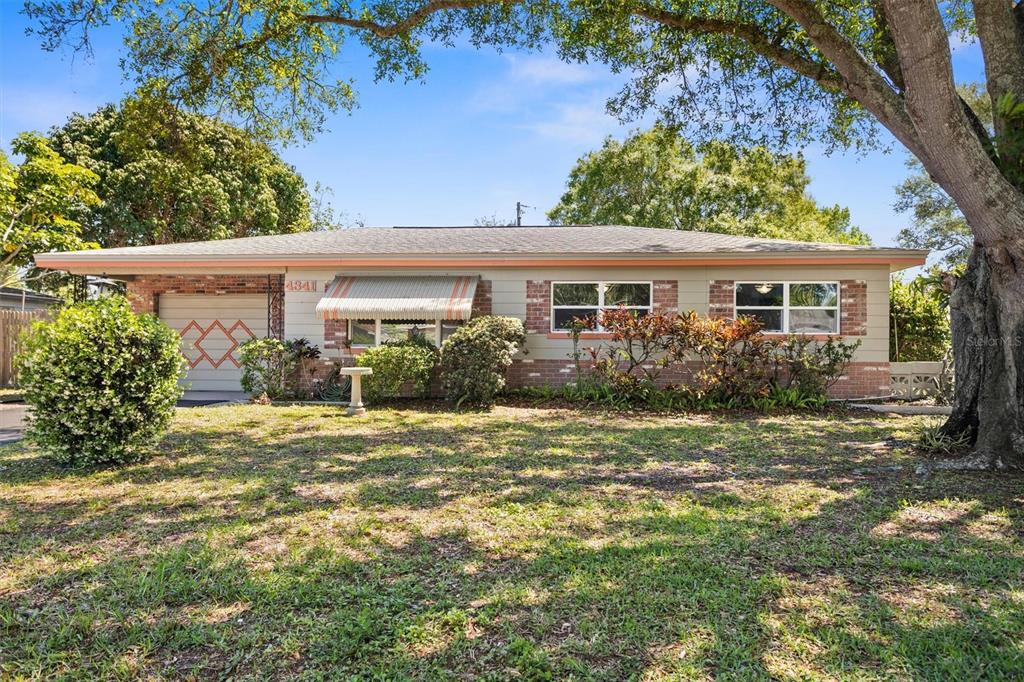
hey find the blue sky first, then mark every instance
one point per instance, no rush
(483, 131)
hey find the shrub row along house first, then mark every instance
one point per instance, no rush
(352, 289)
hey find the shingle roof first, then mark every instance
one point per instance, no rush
(573, 240)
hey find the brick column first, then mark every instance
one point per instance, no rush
(482, 299)
(666, 296)
(853, 307)
(721, 298)
(538, 306)
(336, 334)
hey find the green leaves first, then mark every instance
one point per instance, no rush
(41, 202)
(656, 178)
(918, 321)
(397, 366)
(101, 380)
(476, 356)
(168, 176)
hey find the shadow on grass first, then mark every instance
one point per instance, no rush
(547, 546)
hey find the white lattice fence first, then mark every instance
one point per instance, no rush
(915, 379)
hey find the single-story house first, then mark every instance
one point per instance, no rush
(13, 298)
(350, 289)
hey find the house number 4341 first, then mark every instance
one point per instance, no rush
(301, 285)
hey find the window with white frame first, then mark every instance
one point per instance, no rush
(571, 300)
(791, 307)
(368, 333)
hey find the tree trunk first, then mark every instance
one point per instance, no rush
(987, 314)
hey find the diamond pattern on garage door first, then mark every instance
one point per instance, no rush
(193, 334)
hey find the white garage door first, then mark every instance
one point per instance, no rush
(212, 328)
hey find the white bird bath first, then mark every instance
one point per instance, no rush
(355, 406)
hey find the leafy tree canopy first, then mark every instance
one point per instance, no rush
(40, 200)
(270, 62)
(169, 176)
(656, 178)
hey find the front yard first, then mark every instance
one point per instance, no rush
(271, 542)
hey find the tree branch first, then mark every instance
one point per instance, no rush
(402, 26)
(863, 82)
(754, 36)
(953, 153)
(885, 51)
(1002, 47)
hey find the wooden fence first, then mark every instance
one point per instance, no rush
(12, 323)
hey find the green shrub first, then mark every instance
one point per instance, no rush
(265, 364)
(811, 367)
(737, 366)
(397, 364)
(475, 358)
(102, 382)
(918, 321)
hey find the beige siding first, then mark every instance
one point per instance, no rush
(509, 295)
(300, 320)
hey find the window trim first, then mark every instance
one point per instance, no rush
(601, 284)
(376, 332)
(786, 284)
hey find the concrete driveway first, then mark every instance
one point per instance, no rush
(12, 418)
(12, 415)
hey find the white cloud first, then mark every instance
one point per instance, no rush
(549, 70)
(528, 79)
(578, 122)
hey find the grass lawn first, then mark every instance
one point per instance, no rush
(272, 542)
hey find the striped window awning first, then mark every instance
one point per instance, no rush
(398, 298)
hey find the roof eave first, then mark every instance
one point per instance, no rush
(96, 262)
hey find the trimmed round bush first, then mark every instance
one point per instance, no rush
(476, 357)
(397, 365)
(101, 380)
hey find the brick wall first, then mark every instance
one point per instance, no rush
(144, 291)
(853, 307)
(336, 334)
(538, 306)
(863, 380)
(721, 297)
(482, 298)
(666, 296)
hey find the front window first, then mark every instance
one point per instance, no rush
(368, 333)
(401, 330)
(791, 307)
(570, 300)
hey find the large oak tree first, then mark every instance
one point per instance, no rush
(794, 70)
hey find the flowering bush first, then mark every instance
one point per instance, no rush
(101, 380)
(475, 358)
(399, 364)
